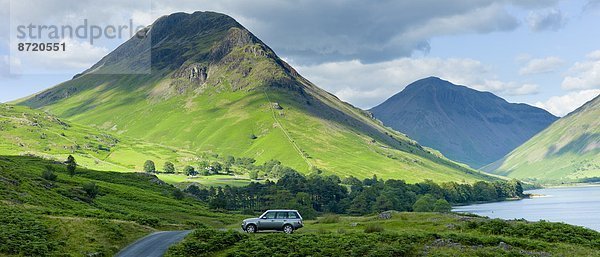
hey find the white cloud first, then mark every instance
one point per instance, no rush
(546, 20)
(584, 74)
(367, 85)
(78, 56)
(542, 65)
(562, 105)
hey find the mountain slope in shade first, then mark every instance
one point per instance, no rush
(216, 87)
(464, 124)
(568, 150)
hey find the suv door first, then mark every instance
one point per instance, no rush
(282, 217)
(267, 221)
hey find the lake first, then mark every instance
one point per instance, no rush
(573, 205)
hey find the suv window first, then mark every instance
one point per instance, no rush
(293, 215)
(282, 215)
(270, 215)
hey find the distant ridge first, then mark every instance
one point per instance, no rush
(466, 125)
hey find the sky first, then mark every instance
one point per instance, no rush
(544, 53)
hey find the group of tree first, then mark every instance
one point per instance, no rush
(243, 165)
(316, 193)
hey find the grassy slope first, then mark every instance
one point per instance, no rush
(126, 205)
(24, 131)
(222, 121)
(568, 150)
(410, 234)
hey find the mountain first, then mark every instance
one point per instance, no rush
(568, 150)
(466, 125)
(214, 86)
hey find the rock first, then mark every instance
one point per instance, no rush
(504, 246)
(385, 215)
(276, 106)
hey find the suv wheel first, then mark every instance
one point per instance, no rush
(251, 228)
(288, 229)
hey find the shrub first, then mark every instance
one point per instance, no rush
(329, 219)
(177, 194)
(190, 171)
(23, 234)
(48, 174)
(145, 220)
(373, 228)
(441, 205)
(425, 203)
(91, 189)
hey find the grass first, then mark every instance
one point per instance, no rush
(405, 234)
(219, 120)
(567, 151)
(208, 181)
(312, 129)
(70, 222)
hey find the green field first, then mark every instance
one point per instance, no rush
(57, 216)
(207, 181)
(567, 151)
(47, 217)
(405, 234)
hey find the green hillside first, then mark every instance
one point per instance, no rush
(567, 151)
(216, 87)
(24, 131)
(62, 216)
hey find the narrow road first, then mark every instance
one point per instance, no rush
(153, 245)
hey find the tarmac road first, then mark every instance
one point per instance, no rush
(153, 245)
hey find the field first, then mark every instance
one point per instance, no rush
(62, 215)
(405, 234)
(208, 181)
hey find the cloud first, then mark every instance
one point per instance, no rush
(591, 5)
(315, 31)
(562, 105)
(5, 65)
(546, 20)
(542, 65)
(79, 56)
(585, 74)
(367, 85)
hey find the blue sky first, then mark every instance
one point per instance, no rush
(540, 52)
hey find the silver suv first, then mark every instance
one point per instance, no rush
(282, 220)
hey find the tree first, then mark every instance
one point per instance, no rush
(425, 203)
(169, 167)
(71, 165)
(149, 166)
(190, 171)
(229, 160)
(441, 205)
(253, 174)
(48, 173)
(216, 166)
(91, 189)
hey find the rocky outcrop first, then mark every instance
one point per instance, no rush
(197, 73)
